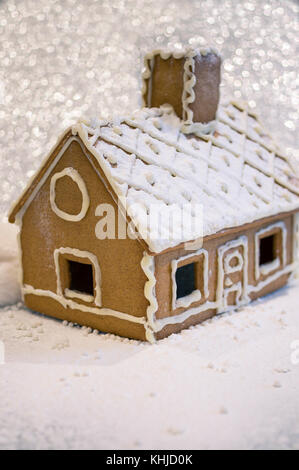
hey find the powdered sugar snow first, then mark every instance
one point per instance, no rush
(232, 382)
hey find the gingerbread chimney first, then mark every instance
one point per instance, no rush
(188, 81)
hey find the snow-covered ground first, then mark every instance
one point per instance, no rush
(232, 382)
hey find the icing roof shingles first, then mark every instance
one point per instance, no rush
(237, 174)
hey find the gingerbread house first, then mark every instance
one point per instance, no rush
(222, 199)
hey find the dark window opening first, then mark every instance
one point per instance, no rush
(185, 280)
(81, 277)
(267, 250)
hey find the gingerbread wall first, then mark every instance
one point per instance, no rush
(211, 245)
(122, 278)
(122, 283)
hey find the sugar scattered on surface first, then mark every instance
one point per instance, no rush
(172, 387)
(189, 388)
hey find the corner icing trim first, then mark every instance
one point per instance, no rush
(148, 267)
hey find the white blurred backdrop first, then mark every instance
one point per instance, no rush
(63, 59)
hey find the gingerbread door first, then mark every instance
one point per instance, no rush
(232, 274)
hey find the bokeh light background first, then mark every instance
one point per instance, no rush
(65, 59)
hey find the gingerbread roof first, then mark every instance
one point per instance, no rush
(237, 173)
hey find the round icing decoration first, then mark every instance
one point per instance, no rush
(74, 175)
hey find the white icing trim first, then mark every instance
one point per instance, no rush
(189, 79)
(228, 282)
(234, 288)
(243, 290)
(188, 97)
(266, 269)
(186, 301)
(196, 295)
(68, 303)
(75, 176)
(79, 254)
(182, 317)
(199, 128)
(221, 289)
(232, 269)
(74, 294)
(270, 267)
(148, 267)
(288, 269)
